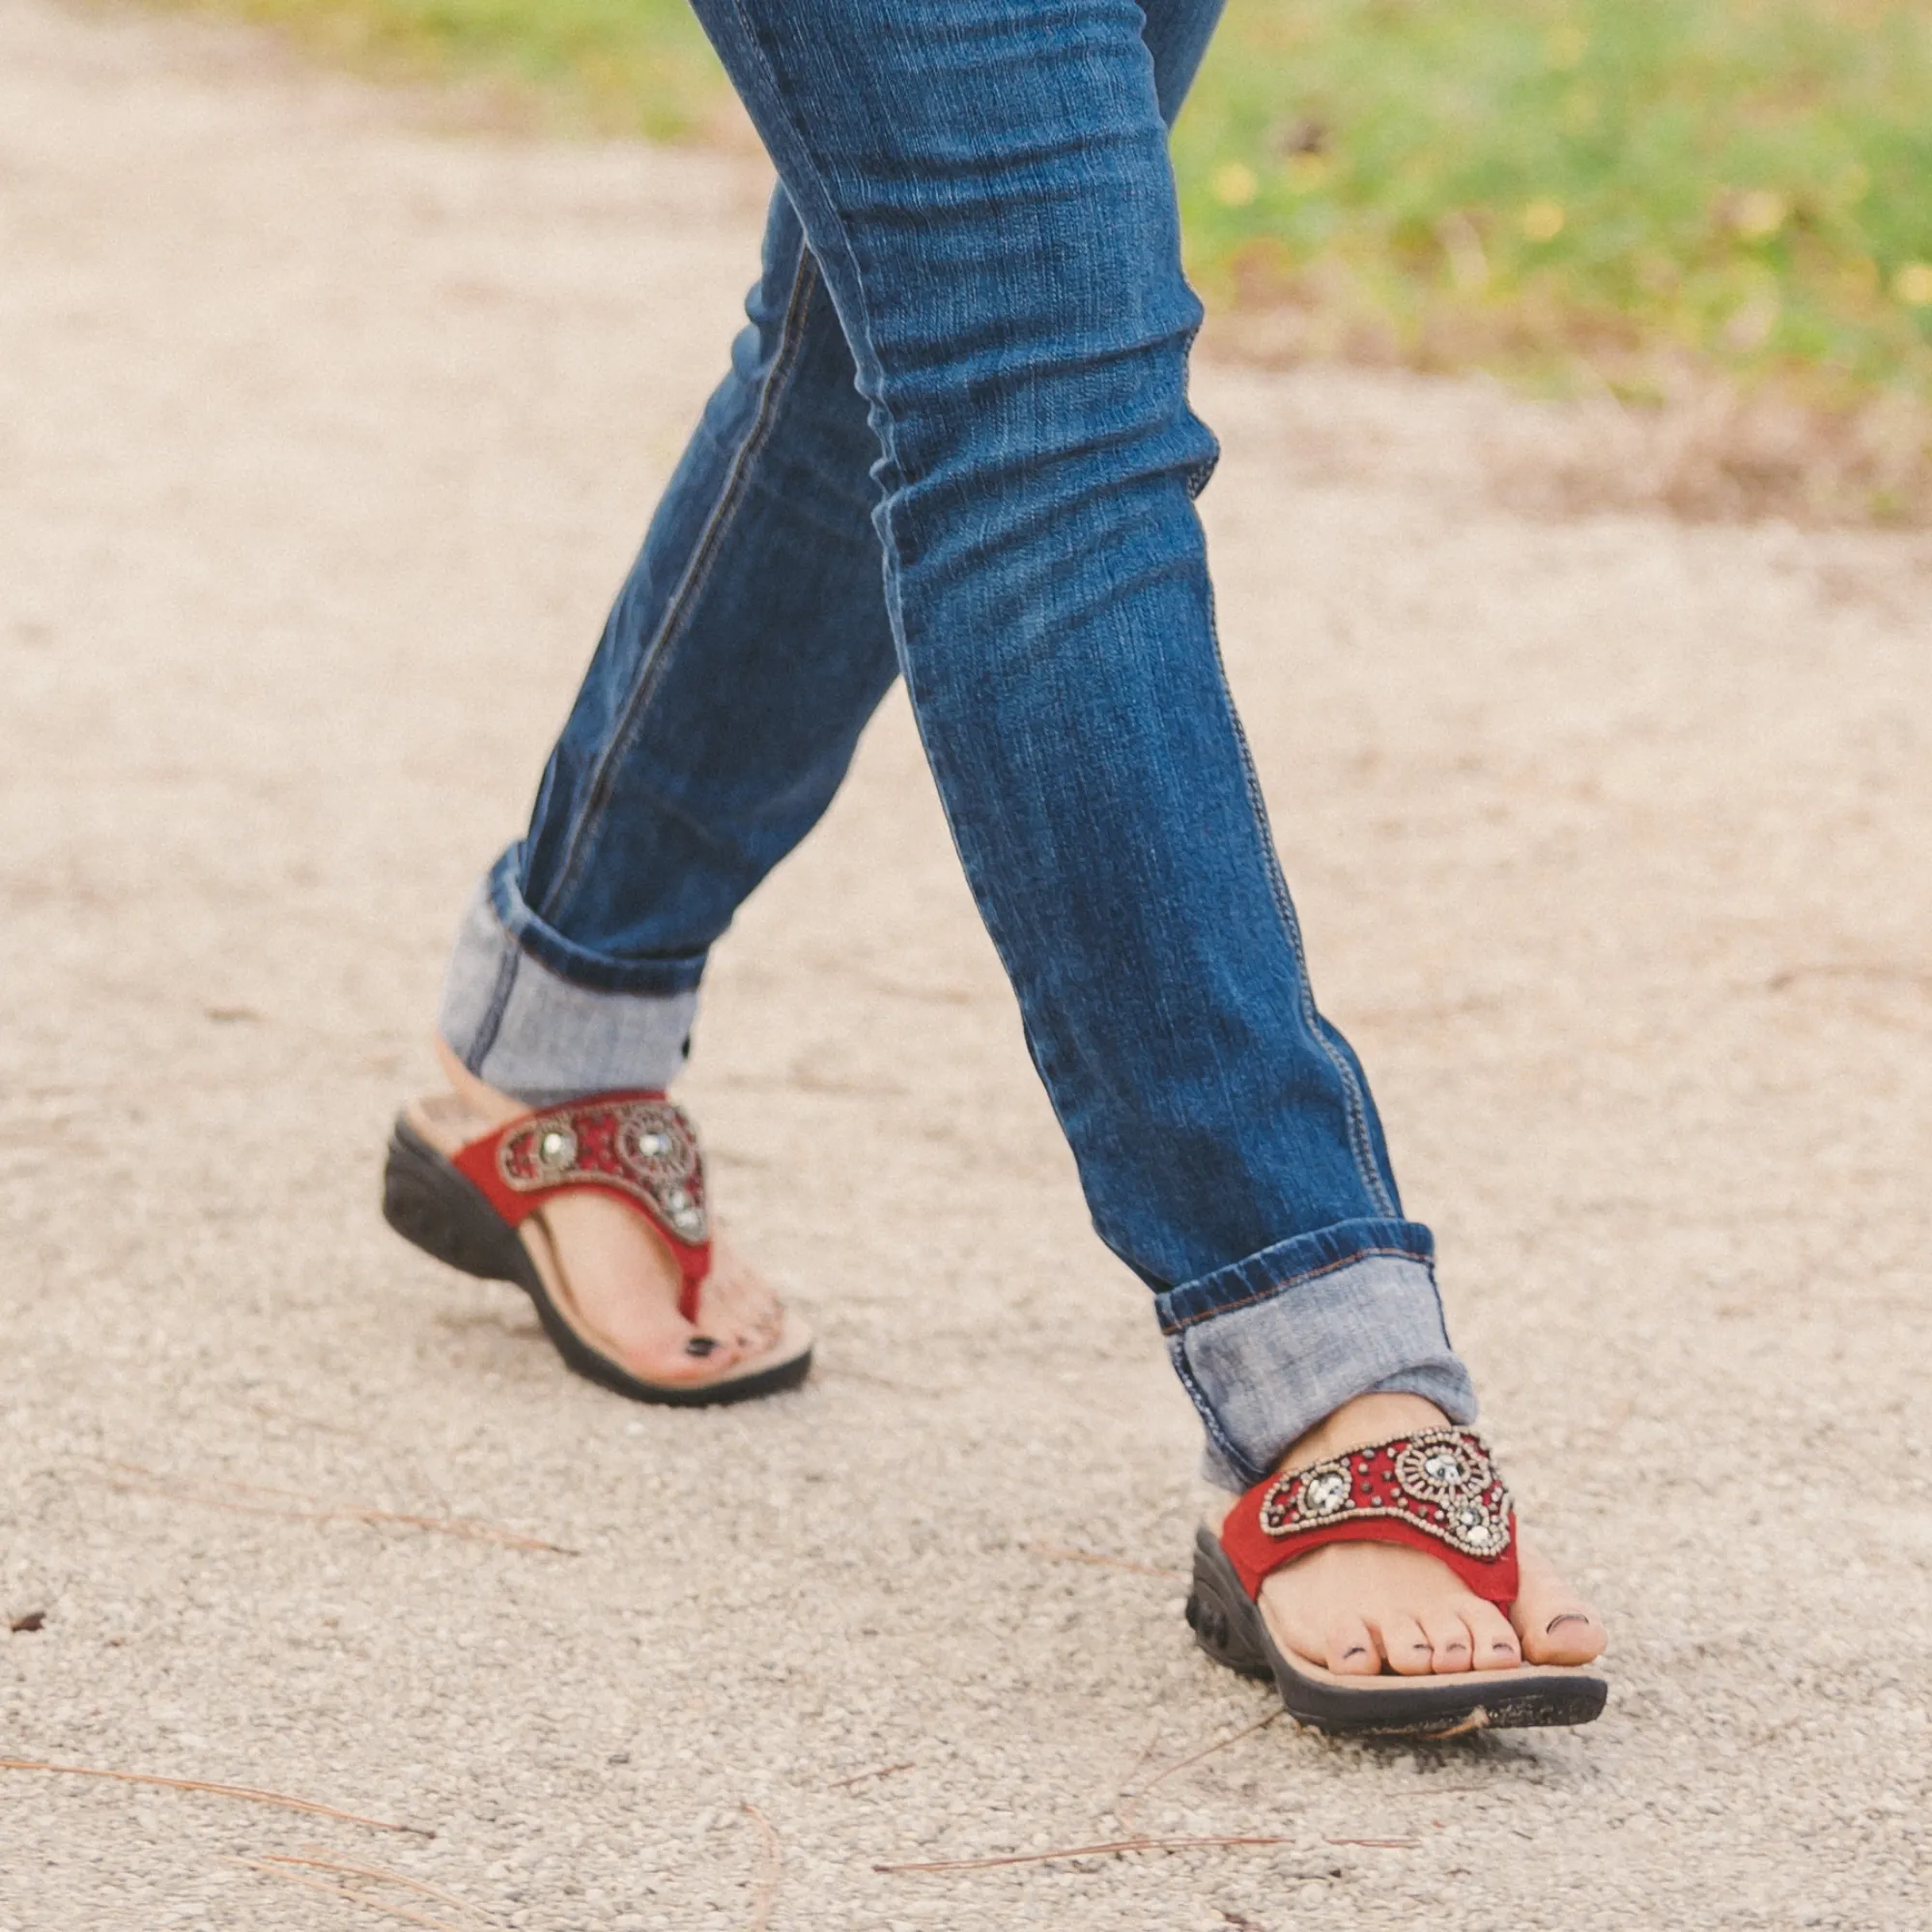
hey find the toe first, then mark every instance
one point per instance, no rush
(1495, 1643)
(1350, 1650)
(1407, 1646)
(1555, 1623)
(1449, 1643)
(697, 1358)
(1564, 1632)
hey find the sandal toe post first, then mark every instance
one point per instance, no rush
(1437, 1491)
(465, 1201)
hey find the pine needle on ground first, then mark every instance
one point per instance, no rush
(246, 1793)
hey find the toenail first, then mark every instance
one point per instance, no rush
(1566, 1617)
(701, 1345)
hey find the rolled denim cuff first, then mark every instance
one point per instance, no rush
(539, 1036)
(1268, 1346)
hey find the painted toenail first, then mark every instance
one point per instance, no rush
(1566, 1617)
(701, 1345)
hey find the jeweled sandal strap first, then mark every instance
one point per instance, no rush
(1437, 1491)
(637, 1145)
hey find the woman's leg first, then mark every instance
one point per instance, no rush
(984, 188)
(741, 659)
(743, 656)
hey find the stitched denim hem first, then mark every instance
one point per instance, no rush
(595, 972)
(1268, 1346)
(534, 1034)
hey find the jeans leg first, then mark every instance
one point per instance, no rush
(987, 187)
(741, 661)
(984, 189)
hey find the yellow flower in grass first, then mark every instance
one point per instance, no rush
(1542, 219)
(1761, 214)
(1913, 284)
(1235, 184)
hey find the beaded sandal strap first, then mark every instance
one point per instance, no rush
(637, 1145)
(1437, 1491)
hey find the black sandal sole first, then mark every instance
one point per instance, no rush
(427, 1201)
(1227, 1623)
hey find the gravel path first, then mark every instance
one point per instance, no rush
(324, 433)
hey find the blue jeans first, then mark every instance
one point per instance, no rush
(956, 445)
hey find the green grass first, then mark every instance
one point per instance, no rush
(1534, 183)
(639, 67)
(1595, 190)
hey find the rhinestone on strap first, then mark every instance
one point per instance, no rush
(642, 1148)
(637, 1145)
(1437, 1491)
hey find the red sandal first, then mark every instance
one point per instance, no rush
(1437, 1491)
(477, 1205)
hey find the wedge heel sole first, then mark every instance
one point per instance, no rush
(427, 1201)
(430, 1205)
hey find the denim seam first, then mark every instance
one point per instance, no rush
(1379, 1191)
(811, 167)
(1441, 1313)
(1200, 475)
(492, 1022)
(1211, 1423)
(1367, 1167)
(884, 427)
(698, 573)
(1300, 1280)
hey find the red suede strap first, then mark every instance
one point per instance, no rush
(637, 1145)
(1437, 1491)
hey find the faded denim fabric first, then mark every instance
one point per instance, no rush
(534, 1033)
(956, 445)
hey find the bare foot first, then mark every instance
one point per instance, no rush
(623, 1280)
(1358, 1607)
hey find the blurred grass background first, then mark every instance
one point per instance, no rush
(628, 67)
(1532, 181)
(1629, 196)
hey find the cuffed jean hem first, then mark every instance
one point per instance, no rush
(538, 1036)
(1269, 1345)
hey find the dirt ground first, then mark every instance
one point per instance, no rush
(326, 428)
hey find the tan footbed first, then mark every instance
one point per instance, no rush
(448, 1125)
(1389, 1680)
